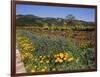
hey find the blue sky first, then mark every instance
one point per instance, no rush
(86, 14)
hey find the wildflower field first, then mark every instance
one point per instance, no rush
(47, 51)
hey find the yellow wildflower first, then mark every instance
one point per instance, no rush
(45, 67)
(40, 56)
(70, 59)
(65, 58)
(41, 61)
(53, 69)
(60, 61)
(32, 50)
(61, 55)
(43, 70)
(47, 61)
(44, 56)
(66, 54)
(35, 66)
(32, 70)
(35, 59)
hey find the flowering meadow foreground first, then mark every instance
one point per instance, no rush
(47, 52)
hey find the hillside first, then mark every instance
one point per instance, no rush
(32, 20)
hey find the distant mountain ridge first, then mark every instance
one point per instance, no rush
(33, 20)
(29, 16)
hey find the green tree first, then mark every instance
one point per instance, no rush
(70, 19)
